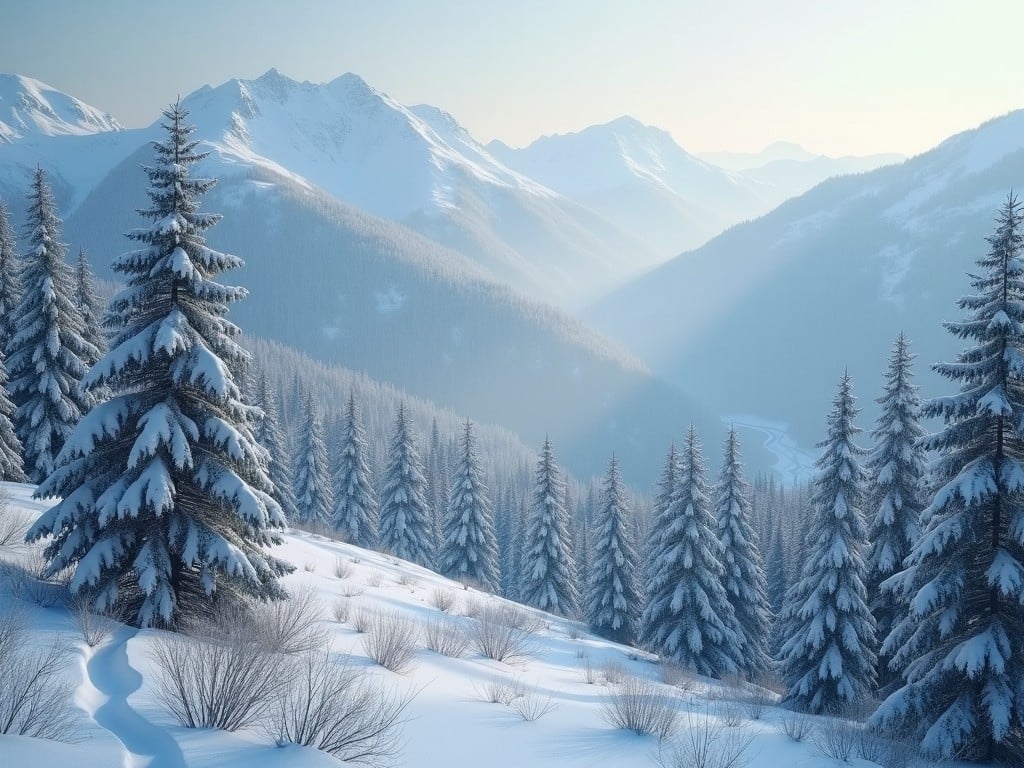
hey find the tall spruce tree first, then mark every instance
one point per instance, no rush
(279, 462)
(47, 356)
(165, 500)
(314, 495)
(613, 594)
(745, 580)
(961, 645)
(548, 568)
(828, 658)
(896, 467)
(10, 280)
(12, 469)
(405, 527)
(666, 486)
(470, 550)
(688, 617)
(90, 307)
(355, 507)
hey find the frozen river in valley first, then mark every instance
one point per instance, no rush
(793, 464)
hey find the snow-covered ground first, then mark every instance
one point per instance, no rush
(448, 722)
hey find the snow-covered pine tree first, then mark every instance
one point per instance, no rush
(314, 494)
(10, 280)
(11, 468)
(505, 520)
(896, 467)
(688, 617)
(165, 500)
(90, 308)
(548, 569)
(270, 435)
(961, 645)
(613, 595)
(828, 658)
(48, 356)
(666, 486)
(405, 529)
(355, 507)
(745, 580)
(470, 550)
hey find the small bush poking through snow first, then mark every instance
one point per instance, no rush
(35, 695)
(613, 672)
(291, 625)
(503, 633)
(643, 707)
(677, 676)
(408, 580)
(445, 635)
(25, 577)
(532, 705)
(309, 566)
(442, 599)
(351, 590)
(391, 641)
(342, 568)
(797, 726)
(501, 690)
(703, 742)
(14, 523)
(338, 709)
(362, 619)
(374, 579)
(95, 627)
(837, 739)
(341, 610)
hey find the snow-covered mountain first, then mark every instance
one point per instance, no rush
(640, 178)
(763, 319)
(31, 108)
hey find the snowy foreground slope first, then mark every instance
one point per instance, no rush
(449, 723)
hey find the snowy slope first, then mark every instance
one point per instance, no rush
(771, 312)
(449, 725)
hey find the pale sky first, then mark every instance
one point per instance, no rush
(838, 77)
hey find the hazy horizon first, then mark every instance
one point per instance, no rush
(734, 77)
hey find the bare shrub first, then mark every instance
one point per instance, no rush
(502, 633)
(756, 701)
(391, 641)
(445, 636)
(341, 609)
(837, 739)
(309, 566)
(338, 709)
(35, 693)
(408, 580)
(705, 743)
(442, 599)
(501, 690)
(677, 675)
(587, 671)
(473, 607)
(374, 579)
(613, 672)
(641, 706)
(900, 753)
(14, 523)
(27, 578)
(351, 590)
(574, 632)
(95, 627)
(532, 705)
(730, 713)
(362, 619)
(870, 747)
(291, 625)
(227, 682)
(342, 568)
(797, 726)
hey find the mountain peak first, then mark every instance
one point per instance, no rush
(30, 107)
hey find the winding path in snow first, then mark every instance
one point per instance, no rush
(793, 465)
(147, 745)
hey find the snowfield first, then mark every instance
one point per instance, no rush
(448, 722)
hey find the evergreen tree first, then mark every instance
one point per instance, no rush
(355, 509)
(48, 356)
(548, 575)
(90, 307)
(313, 490)
(745, 580)
(405, 529)
(504, 531)
(470, 549)
(10, 281)
(828, 661)
(896, 467)
(270, 435)
(165, 500)
(11, 468)
(961, 644)
(613, 595)
(688, 617)
(662, 500)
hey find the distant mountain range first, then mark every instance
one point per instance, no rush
(763, 319)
